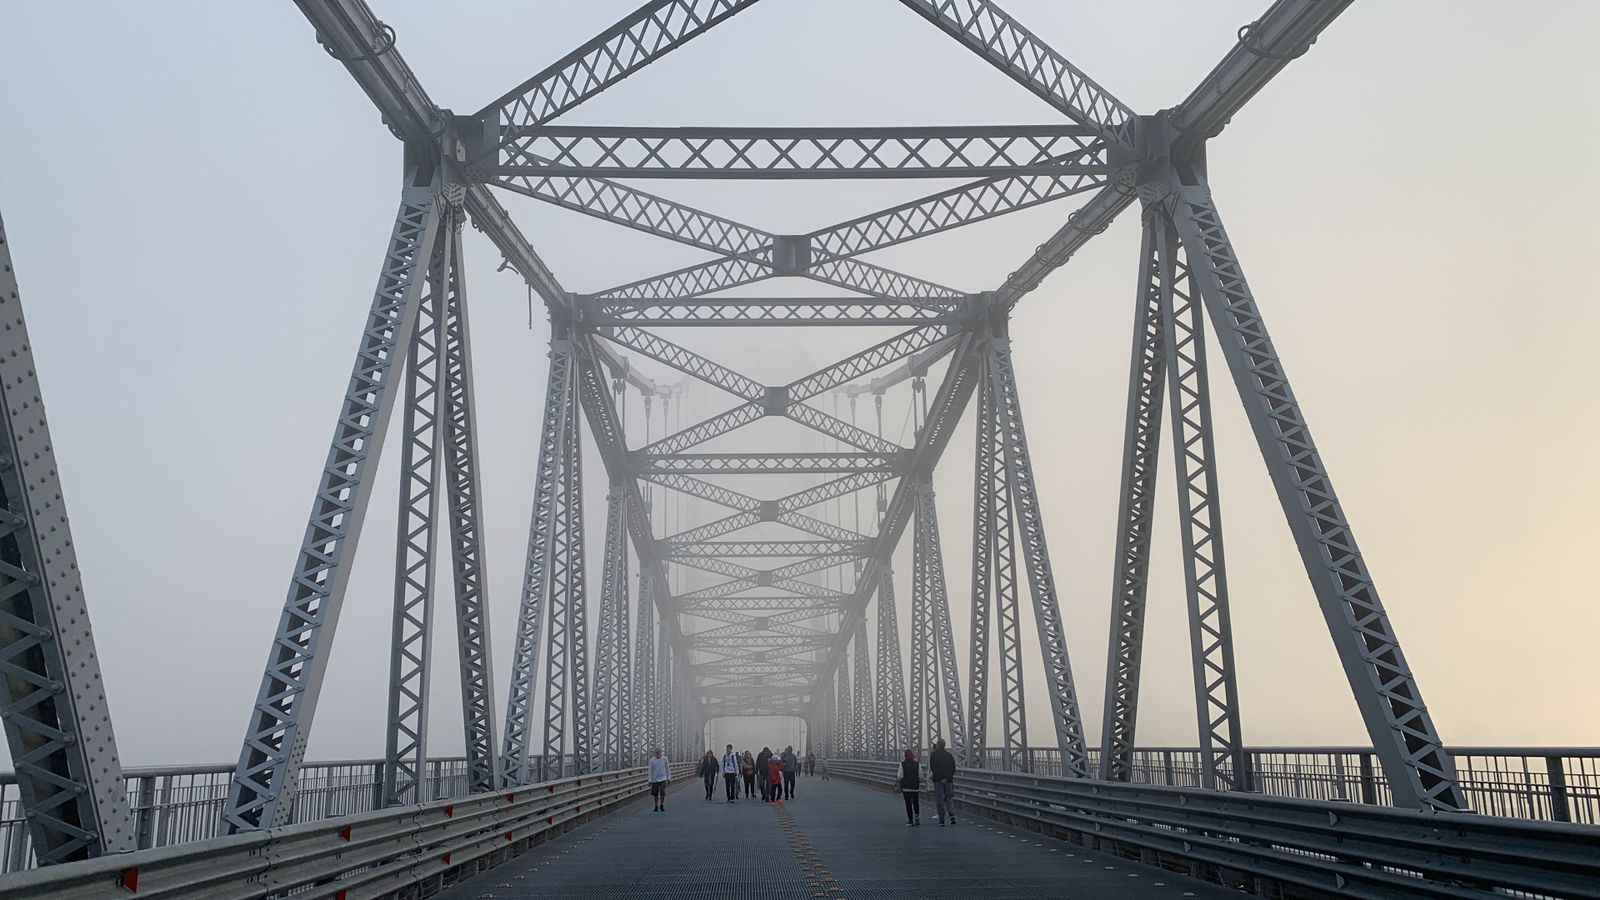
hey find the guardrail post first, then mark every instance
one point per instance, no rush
(377, 786)
(144, 814)
(1559, 810)
(1369, 784)
(1166, 767)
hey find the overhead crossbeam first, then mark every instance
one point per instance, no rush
(946, 152)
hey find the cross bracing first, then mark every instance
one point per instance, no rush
(763, 601)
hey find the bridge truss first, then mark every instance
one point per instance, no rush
(804, 618)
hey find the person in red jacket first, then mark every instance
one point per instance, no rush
(775, 779)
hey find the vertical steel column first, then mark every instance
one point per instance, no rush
(1223, 761)
(262, 790)
(565, 682)
(559, 390)
(411, 633)
(461, 470)
(944, 633)
(1007, 583)
(891, 674)
(663, 688)
(1421, 774)
(1141, 448)
(1036, 556)
(646, 730)
(924, 664)
(982, 574)
(613, 585)
(841, 708)
(861, 703)
(57, 723)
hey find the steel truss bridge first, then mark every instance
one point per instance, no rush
(795, 612)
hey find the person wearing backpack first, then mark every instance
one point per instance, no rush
(910, 784)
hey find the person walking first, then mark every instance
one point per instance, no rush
(910, 784)
(942, 769)
(659, 774)
(791, 768)
(747, 768)
(762, 759)
(811, 763)
(730, 773)
(708, 771)
(775, 779)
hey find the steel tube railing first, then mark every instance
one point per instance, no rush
(1284, 847)
(1556, 784)
(366, 855)
(174, 805)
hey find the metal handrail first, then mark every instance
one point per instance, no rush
(1247, 840)
(367, 855)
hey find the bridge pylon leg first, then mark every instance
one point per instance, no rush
(468, 565)
(57, 722)
(1135, 511)
(411, 634)
(1420, 773)
(1223, 761)
(536, 575)
(1023, 498)
(262, 790)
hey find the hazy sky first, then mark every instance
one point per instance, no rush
(197, 199)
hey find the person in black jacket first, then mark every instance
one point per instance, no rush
(910, 782)
(708, 771)
(942, 769)
(761, 773)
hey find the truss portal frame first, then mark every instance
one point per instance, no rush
(790, 616)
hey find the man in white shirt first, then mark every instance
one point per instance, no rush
(659, 776)
(730, 773)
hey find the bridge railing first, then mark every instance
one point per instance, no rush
(1282, 847)
(1556, 784)
(413, 850)
(181, 804)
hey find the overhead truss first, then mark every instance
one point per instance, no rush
(718, 615)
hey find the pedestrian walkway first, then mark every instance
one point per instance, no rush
(836, 839)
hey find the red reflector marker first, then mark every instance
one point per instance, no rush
(130, 881)
(447, 859)
(344, 833)
(450, 811)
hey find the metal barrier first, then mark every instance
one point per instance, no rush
(1556, 784)
(418, 849)
(174, 805)
(1287, 848)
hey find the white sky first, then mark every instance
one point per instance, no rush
(197, 199)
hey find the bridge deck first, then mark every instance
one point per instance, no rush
(836, 839)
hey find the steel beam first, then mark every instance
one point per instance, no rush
(1223, 762)
(938, 152)
(1024, 498)
(462, 468)
(747, 312)
(987, 30)
(535, 580)
(57, 722)
(1421, 774)
(640, 38)
(1141, 447)
(411, 634)
(262, 790)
